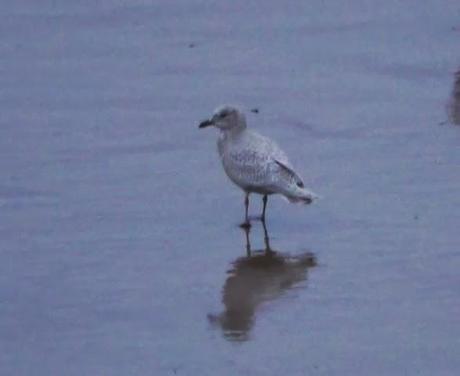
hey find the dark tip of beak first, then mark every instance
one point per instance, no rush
(205, 124)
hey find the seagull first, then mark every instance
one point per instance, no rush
(253, 162)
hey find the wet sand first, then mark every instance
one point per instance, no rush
(121, 252)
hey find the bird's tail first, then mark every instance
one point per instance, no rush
(302, 196)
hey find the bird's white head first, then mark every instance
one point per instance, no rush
(226, 118)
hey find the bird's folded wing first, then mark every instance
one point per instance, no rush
(290, 174)
(248, 167)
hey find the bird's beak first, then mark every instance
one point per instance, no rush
(205, 124)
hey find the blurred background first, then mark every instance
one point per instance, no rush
(120, 247)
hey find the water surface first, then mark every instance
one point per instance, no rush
(120, 247)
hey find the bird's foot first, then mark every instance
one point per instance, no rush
(246, 225)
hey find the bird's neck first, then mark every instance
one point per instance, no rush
(234, 132)
(241, 122)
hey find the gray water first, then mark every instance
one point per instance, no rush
(120, 247)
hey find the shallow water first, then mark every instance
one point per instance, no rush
(121, 252)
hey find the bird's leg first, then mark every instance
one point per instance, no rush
(246, 208)
(264, 200)
(266, 239)
(246, 223)
(248, 243)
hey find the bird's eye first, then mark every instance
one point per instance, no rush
(223, 114)
(300, 184)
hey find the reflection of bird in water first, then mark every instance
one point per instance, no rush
(454, 107)
(261, 276)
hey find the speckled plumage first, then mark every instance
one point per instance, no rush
(249, 160)
(253, 162)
